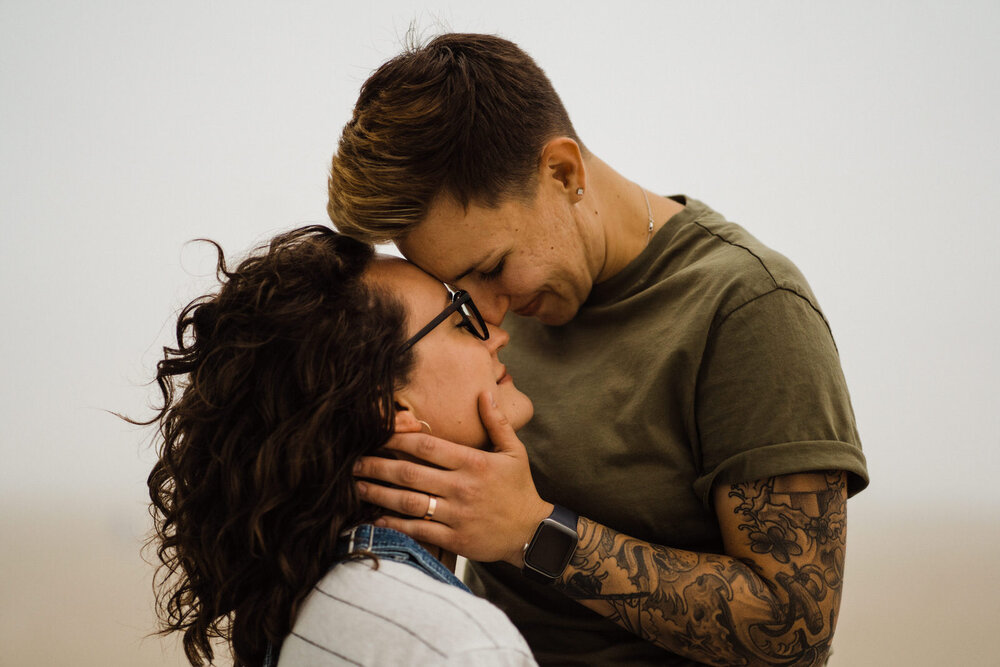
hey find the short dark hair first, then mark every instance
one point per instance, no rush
(466, 115)
(278, 382)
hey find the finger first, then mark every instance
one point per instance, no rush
(442, 453)
(498, 427)
(408, 474)
(430, 532)
(403, 501)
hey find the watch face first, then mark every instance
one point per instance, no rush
(551, 549)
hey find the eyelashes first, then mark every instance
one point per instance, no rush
(464, 323)
(495, 272)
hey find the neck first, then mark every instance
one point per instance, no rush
(447, 558)
(620, 217)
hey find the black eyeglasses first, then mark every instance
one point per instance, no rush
(462, 302)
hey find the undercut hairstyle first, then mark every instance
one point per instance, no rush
(465, 116)
(278, 382)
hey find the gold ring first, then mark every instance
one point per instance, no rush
(432, 503)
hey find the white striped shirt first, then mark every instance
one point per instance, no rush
(398, 615)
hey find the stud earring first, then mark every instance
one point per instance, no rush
(579, 191)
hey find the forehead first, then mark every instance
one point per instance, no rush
(414, 287)
(453, 239)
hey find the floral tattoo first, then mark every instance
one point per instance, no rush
(772, 599)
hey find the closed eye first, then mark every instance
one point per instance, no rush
(495, 272)
(463, 323)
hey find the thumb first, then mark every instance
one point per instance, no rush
(497, 425)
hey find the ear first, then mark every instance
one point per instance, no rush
(406, 421)
(562, 165)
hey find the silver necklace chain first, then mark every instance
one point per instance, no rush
(649, 213)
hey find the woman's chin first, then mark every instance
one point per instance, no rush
(522, 414)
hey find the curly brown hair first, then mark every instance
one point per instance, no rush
(278, 382)
(465, 115)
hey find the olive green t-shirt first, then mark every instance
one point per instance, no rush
(705, 361)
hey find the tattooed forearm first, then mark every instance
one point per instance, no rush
(771, 599)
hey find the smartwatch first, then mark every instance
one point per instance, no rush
(552, 546)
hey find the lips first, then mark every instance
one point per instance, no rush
(504, 377)
(529, 309)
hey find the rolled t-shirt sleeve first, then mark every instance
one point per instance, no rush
(771, 397)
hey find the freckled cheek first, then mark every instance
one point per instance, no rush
(525, 282)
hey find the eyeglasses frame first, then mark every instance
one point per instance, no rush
(459, 298)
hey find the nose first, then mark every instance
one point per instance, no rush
(492, 305)
(498, 338)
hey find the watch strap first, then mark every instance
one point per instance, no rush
(566, 517)
(536, 576)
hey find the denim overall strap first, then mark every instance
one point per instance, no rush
(393, 545)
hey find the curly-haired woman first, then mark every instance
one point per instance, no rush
(309, 355)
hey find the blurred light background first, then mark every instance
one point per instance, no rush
(858, 138)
